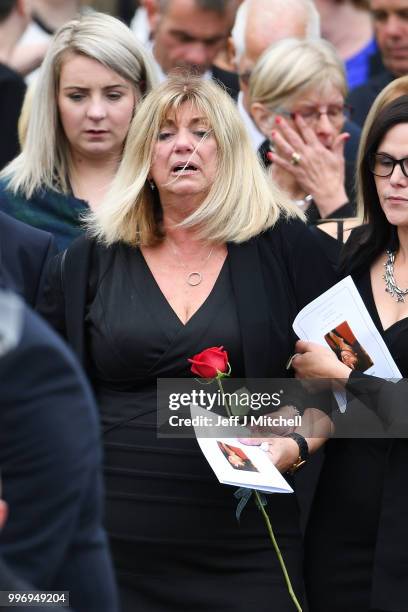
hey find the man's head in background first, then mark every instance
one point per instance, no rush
(190, 33)
(325, 7)
(391, 30)
(259, 23)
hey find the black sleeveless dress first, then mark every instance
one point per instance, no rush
(356, 544)
(175, 541)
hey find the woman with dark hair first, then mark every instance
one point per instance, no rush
(357, 555)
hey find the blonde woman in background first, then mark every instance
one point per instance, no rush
(91, 81)
(297, 91)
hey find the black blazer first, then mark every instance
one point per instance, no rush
(24, 254)
(273, 276)
(50, 461)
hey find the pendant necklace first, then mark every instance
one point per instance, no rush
(391, 286)
(193, 278)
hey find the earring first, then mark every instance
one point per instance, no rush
(151, 184)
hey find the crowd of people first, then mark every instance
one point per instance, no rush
(192, 181)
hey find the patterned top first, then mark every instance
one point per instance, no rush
(48, 210)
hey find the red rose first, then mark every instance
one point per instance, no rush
(210, 362)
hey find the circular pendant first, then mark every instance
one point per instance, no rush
(194, 278)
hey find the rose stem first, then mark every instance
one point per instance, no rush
(277, 550)
(268, 524)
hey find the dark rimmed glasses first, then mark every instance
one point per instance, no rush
(383, 165)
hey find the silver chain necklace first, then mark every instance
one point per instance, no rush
(391, 286)
(193, 278)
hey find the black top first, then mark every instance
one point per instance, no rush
(273, 276)
(131, 357)
(357, 556)
(170, 522)
(395, 336)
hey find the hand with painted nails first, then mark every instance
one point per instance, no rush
(296, 98)
(314, 167)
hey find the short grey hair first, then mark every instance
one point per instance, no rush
(241, 20)
(292, 66)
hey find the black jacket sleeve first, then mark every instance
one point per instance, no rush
(51, 470)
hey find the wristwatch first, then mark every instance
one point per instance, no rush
(303, 451)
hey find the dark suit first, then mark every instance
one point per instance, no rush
(228, 79)
(50, 460)
(24, 254)
(361, 98)
(351, 145)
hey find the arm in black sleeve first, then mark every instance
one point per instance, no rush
(51, 470)
(309, 269)
(388, 400)
(51, 301)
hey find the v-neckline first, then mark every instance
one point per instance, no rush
(166, 303)
(385, 330)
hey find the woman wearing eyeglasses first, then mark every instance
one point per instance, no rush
(297, 91)
(357, 553)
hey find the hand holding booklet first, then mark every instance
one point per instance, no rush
(239, 464)
(338, 319)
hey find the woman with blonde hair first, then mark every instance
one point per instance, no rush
(297, 91)
(193, 247)
(91, 81)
